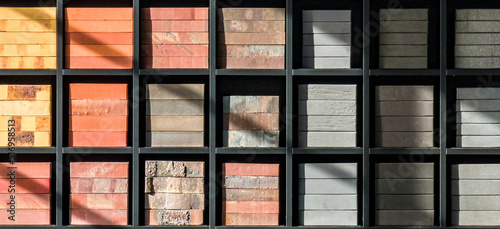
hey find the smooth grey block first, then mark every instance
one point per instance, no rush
(478, 129)
(478, 141)
(477, 26)
(327, 123)
(326, 15)
(250, 182)
(475, 203)
(403, 50)
(326, 51)
(403, 38)
(327, 39)
(328, 186)
(477, 62)
(475, 187)
(326, 62)
(250, 138)
(328, 202)
(478, 93)
(402, 62)
(405, 139)
(404, 170)
(478, 105)
(403, 14)
(478, 117)
(327, 107)
(404, 93)
(477, 15)
(250, 104)
(175, 107)
(477, 50)
(326, 27)
(328, 170)
(475, 218)
(174, 139)
(404, 202)
(327, 91)
(404, 26)
(404, 186)
(175, 91)
(404, 218)
(404, 108)
(327, 139)
(477, 38)
(328, 218)
(404, 124)
(476, 171)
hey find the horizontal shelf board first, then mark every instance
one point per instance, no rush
(328, 72)
(250, 72)
(405, 72)
(473, 151)
(472, 72)
(434, 151)
(246, 151)
(327, 151)
(162, 72)
(97, 72)
(176, 227)
(98, 150)
(250, 227)
(162, 150)
(30, 150)
(28, 72)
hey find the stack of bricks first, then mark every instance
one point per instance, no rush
(404, 116)
(477, 38)
(327, 115)
(98, 115)
(98, 38)
(328, 194)
(251, 194)
(29, 108)
(475, 190)
(251, 121)
(174, 192)
(98, 193)
(403, 38)
(326, 39)
(174, 37)
(404, 194)
(251, 38)
(28, 38)
(175, 115)
(31, 192)
(478, 117)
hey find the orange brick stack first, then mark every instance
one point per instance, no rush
(174, 37)
(98, 115)
(251, 194)
(30, 193)
(98, 38)
(99, 193)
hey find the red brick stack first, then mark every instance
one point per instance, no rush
(251, 38)
(98, 115)
(251, 194)
(98, 38)
(174, 37)
(174, 192)
(99, 193)
(31, 192)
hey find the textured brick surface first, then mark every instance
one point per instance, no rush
(328, 202)
(326, 15)
(98, 185)
(26, 201)
(250, 169)
(250, 219)
(253, 14)
(175, 185)
(26, 170)
(327, 139)
(174, 217)
(96, 139)
(175, 123)
(175, 139)
(99, 201)
(98, 217)
(249, 138)
(404, 170)
(27, 186)
(251, 195)
(26, 217)
(97, 123)
(404, 14)
(171, 201)
(99, 169)
(160, 13)
(250, 207)
(327, 123)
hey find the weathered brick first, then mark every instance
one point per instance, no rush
(250, 138)
(26, 170)
(98, 107)
(250, 182)
(27, 123)
(250, 169)
(98, 185)
(29, 186)
(251, 50)
(246, 207)
(150, 169)
(251, 62)
(29, 50)
(250, 194)
(252, 38)
(250, 104)
(26, 92)
(174, 38)
(175, 107)
(174, 50)
(174, 13)
(26, 201)
(174, 217)
(255, 121)
(170, 201)
(174, 26)
(257, 26)
(250, 219)
(197, 62)
(98, 201)
(99, 169)
(252, 14)
(27, 139)
(175, 123)
(98, 217)
(176, 185)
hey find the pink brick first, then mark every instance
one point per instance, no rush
(174, 26)
(98, 185)
(175, 62)
(240, 207)
(26, 201)
(251, 62)
(97, 139)
(250, 169)
(99, 169)
(174, 50)
(194, 217)
(99, 201)
(98, 217)
(174, 38)
(26, 186)
(27, 170)
(26, 217)
(250, 219)
(175, 13)
(252, 38)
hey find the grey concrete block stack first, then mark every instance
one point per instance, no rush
(404, 116)
(327, 115)
(404, 194)
(403, 38)
(326, 39)
(478, 117)
(477, 38)
(475, 190)
(328, 194)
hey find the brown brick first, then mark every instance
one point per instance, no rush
(251, 38)
(242, 121)
(250, 195)
(174, 217)
(169, 201)
(241, 26)
(250, 50)
(252, 14)
(274, 62)
(175, 123)
(176, 185)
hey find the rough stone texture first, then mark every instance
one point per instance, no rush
(250, 104)
(252, 14)
(475, 218)
(327, 107)
(251, 62)
(404, 93)
(150, 169)
(250, 182)
(326, 39)
(328, 218)
(475, 203)
(327, 123)
(177, 185)
(327, 139)
(404, 218)
(405, 139)
(252, 121)
(252, 39)
(251, 50)
(404, 170)
(328, 202)
(250, 195)
(403, 50)
(325, 51)
(476, 171)
(404, 108)
(477, 15)
(326, 62)
(250, 219)
(422, 124)
(406, 26)
(404, 14)
(160, 201)
(175, 107)
(326, 15)
(327, 186)
(328, 170)
(403, 62)
(404, 202)
(477, 26)
(255, 26)
(175, 139)
(249, 138)
(404, 186)
(326, 27)
(173, 217)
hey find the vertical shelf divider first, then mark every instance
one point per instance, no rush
(443, 118)
(366, 114)
(135, 114)
(212, 220)
(289, 113)
(59, 114)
